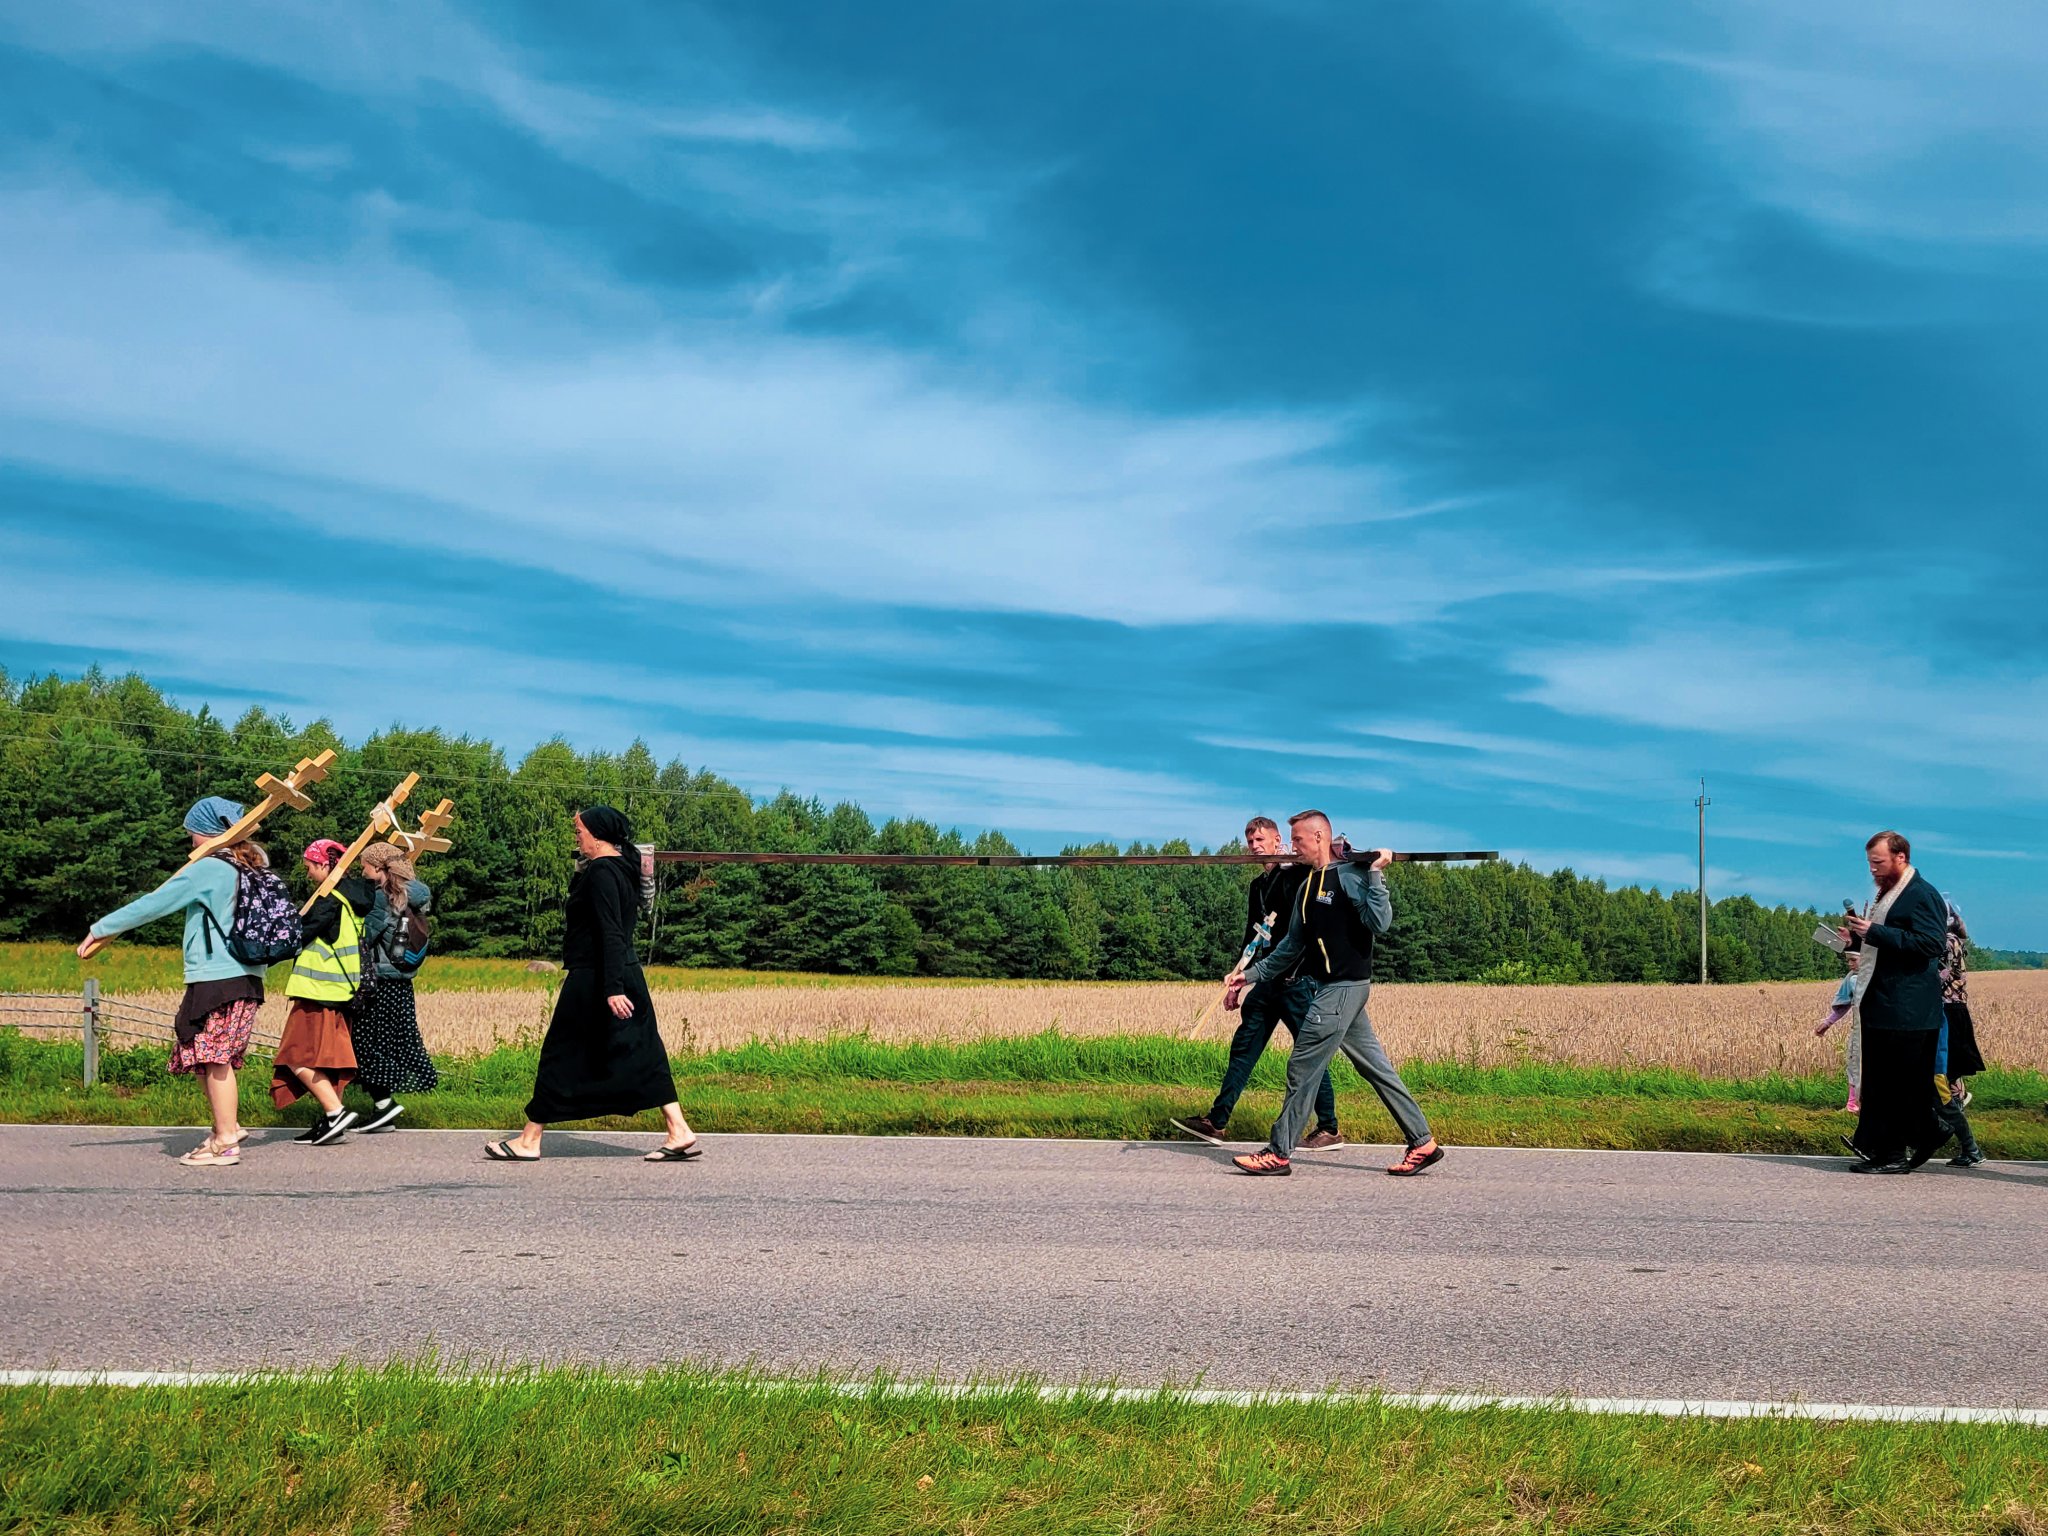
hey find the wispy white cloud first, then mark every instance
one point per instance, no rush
(529, 696)
(1848, 714)
(382, 50)
(1433, 734)
(1900, 124)
(1669, 872)
(834, 466)
(1282, 746)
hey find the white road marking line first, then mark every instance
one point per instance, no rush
(1450, 1402)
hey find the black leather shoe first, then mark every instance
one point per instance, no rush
(1903, 1165)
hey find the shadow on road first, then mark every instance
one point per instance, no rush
(1343, 1159)
(173, 1142)
(1838, 1167)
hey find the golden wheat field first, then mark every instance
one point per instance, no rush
(1723, 1031)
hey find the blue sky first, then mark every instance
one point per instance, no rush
(1079, 419)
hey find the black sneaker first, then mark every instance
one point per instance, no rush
(312, 1132)
(381, 1119)
(333, 1128)
(1969, 1159)
(1202, 1127)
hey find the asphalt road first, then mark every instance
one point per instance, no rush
(1584, 1273)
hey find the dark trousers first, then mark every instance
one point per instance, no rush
(1276, 1003)
(1948, 1114)
(1898, 1093)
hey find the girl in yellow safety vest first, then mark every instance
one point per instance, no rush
(316, 1055)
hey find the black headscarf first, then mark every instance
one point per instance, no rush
(609, 826)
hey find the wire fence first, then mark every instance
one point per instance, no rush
(101, 1020)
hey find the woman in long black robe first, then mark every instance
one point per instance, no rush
(603, 1054)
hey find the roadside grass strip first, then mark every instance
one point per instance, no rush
(1121, 1088)
(411, 1447)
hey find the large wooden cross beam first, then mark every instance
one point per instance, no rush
(289, 790)
(1013, 860)
(380, 821)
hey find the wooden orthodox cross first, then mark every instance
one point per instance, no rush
(289, 790)
(428, 839)
(380, 820)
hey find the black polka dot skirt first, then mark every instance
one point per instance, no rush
(390, 1055)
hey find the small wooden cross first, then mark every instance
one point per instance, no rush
(381, 819)
(427, 839)
(289, 790)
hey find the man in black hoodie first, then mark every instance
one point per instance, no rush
(1270, 901)
(1901, 941)
(1340, 910)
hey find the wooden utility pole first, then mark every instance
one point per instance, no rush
(1702, 803)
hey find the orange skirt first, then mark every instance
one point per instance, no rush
(314, 1036)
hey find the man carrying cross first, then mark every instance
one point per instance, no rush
(1271, 899)
(1339, 911)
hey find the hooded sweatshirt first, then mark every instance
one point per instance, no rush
(202, 888)
(1338, 912)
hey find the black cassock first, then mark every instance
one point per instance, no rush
(593, 1063)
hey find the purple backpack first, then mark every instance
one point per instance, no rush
(266, 927)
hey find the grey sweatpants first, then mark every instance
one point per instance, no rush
(1336, 1022)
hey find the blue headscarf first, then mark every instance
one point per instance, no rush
(212, 816)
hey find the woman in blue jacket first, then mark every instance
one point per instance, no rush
(222, 995)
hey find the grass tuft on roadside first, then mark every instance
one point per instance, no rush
(406, 1447)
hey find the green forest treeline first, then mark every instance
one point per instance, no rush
(95, 774)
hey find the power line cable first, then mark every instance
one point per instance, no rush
(511, 780)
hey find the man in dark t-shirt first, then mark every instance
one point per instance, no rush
(1269, 907)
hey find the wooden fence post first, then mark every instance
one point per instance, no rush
(90, 1020)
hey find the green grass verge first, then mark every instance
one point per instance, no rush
(404, 1449)
(1120, 1088)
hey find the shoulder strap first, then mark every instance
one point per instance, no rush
(206, 912)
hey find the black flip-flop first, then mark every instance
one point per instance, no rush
(681, 1154)
(501, 1152)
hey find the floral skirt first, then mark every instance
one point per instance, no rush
(222, 1040)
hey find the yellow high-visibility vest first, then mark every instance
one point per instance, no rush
(330, 973)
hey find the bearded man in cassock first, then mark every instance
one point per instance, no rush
(1900, 939)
